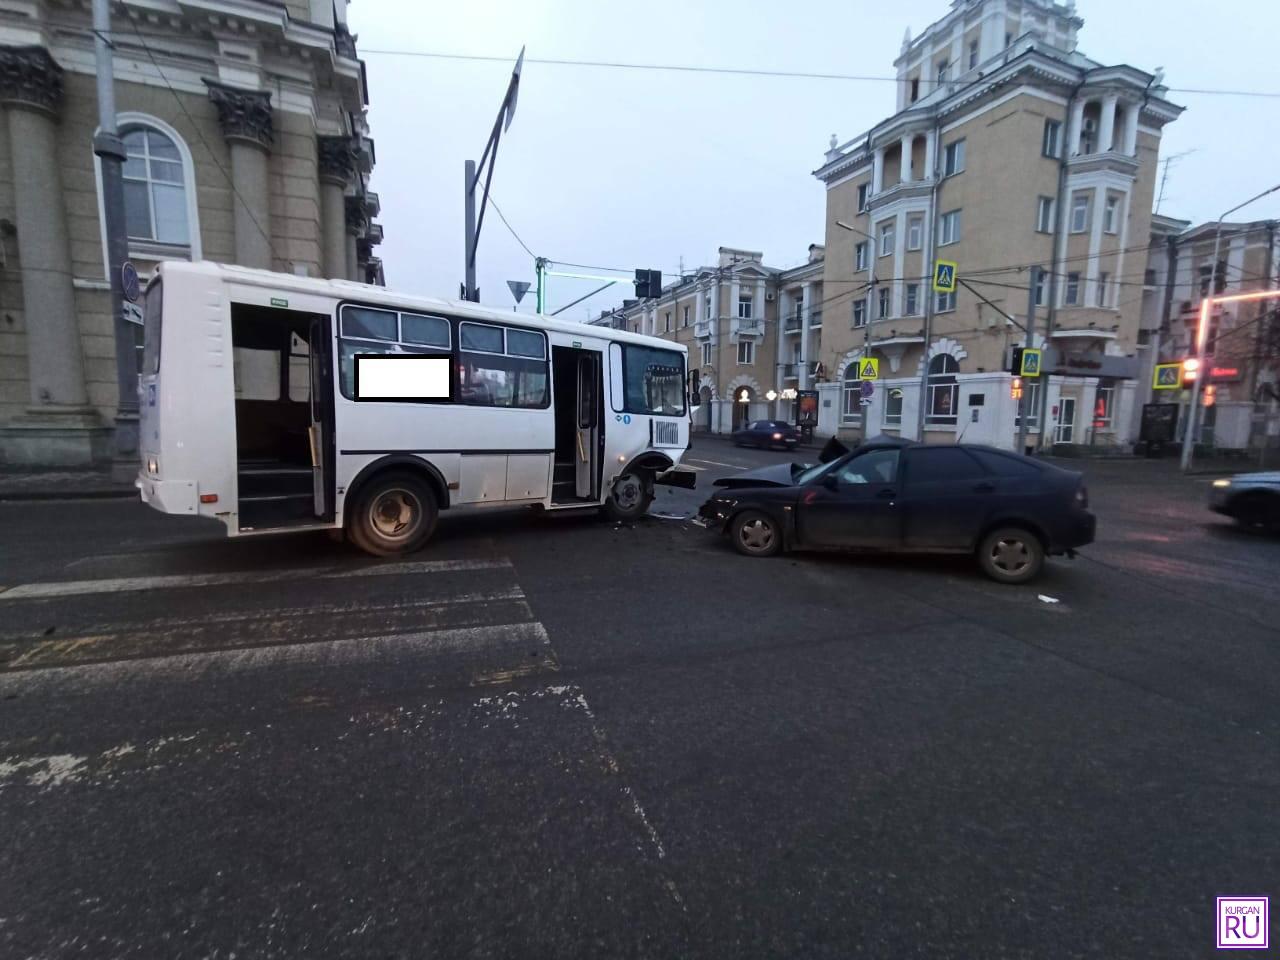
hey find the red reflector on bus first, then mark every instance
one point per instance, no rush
(208, 498)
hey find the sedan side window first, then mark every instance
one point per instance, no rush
(874, 466)
(940, 464)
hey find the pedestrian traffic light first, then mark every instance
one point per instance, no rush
(1015, 362)
(648, 284)
(1190, 369)
(1210, 394)
(1015, 388)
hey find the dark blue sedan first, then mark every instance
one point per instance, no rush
(767, 433)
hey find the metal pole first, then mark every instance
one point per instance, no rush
(469, 291)
(1023, 405)
(1202, 335)
(540, 269)
(109, 148)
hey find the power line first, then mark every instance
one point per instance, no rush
(510, 228)
(734, 71)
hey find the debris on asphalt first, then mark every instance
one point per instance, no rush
(1047, 599)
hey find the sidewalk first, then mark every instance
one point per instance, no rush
(61, 484)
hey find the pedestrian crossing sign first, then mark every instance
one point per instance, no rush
(868, 368)
(1168, 376)
(944, 276)
(1030, 362)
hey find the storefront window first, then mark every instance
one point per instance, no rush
(944, 392)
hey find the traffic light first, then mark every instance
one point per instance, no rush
(648, 284)
(1190, 369)
(1210, 394)
(1015, 361)
(1015, 388)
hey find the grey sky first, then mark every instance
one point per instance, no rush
(638, 168)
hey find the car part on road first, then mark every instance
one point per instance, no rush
(756, 534)
(394, 514)
(1011, 555)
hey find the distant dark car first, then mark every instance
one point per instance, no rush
(893, 495)
(767, 433)
(1251, 499)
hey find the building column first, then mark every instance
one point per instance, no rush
(806, 313)
(904, 166)
(734, 290)
(877, 171)
(245, 118)
(1107, 124)
(357, 222)
(1130, 145)
(336, 162)
(1075, 128)
(930, 147)
(60, 428)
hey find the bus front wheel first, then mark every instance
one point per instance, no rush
(630, 496)
(393, 514)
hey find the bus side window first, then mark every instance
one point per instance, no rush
(256, 373)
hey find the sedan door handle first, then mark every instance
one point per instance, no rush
(985, 486)
(886, 494)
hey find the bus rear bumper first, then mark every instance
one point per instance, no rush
(167, 496)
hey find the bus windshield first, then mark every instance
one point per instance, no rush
(653, 380)
(151, 328)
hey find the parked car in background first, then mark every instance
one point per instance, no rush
(899, 496)
(767, 433)
(1251, 499)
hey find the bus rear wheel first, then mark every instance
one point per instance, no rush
(393, 514)
(630, 496)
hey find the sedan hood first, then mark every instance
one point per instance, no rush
(1270, 478)
(775, 475)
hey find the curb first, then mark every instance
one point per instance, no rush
(18, 496)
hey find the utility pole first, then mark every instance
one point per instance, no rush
(109, 148)
(475, 221)
(1024, 407)
(1202, 333)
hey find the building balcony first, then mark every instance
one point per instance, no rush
(748, 327)
(791, 324)
(702, 329)
(815, 319)
(899, 191)
(790, 371)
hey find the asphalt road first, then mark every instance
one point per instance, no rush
(555, 736)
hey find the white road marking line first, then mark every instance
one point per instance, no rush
(68, 588)
(212, 664)
(274, 614)
(717, 463)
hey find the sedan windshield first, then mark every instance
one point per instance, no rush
(816, 472)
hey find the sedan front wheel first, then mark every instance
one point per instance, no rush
(756, 534)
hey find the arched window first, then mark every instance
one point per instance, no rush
(944, 392)
(155, 193)
(851, 395)
(160, 211)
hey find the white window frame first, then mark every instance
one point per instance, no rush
(949, 228)
(1045, 214)
(146, 250)
(1041, 286)
(1111, 214)
(912, 300)
(947, 381)
(686, 315)
(864, 193)
(850, 397)
(940, 72)
(1104, 280)
(1080, 212)
(886, 234)
(1071, 290)
(892, 419)
(884, 303)
(974, 48)
(860, 312)
(945, 303)
(749, 352)
(706, 354)
(860, 256)
(1031, 394)
(707, 304)
(953, 158)
(1105, 423)
(1051, 140)
(915, 232)
(744, 300)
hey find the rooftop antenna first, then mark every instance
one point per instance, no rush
(1164, 176)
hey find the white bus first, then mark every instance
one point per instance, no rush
(277, 403)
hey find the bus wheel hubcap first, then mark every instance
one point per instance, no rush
(756, 535)
(1011, 556)
(627, 493)
(395, 514)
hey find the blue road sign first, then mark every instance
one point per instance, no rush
(129, 281)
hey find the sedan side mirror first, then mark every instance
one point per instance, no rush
(829, 481)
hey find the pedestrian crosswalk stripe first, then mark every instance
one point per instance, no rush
(388, 649)
(69, 588)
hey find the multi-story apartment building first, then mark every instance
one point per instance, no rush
(1242, 347)
(244, 127)
(752, 333)
(1009, 149)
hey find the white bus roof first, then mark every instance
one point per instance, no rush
(381, 296)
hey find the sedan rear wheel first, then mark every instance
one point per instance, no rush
(756, 534)
(1011, 555)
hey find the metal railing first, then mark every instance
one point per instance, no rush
(792, 324)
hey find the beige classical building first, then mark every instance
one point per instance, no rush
(752, 332)
(1242, 349)
(1008, 149)
(244, 124)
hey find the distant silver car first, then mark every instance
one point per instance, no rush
(1251, 499)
